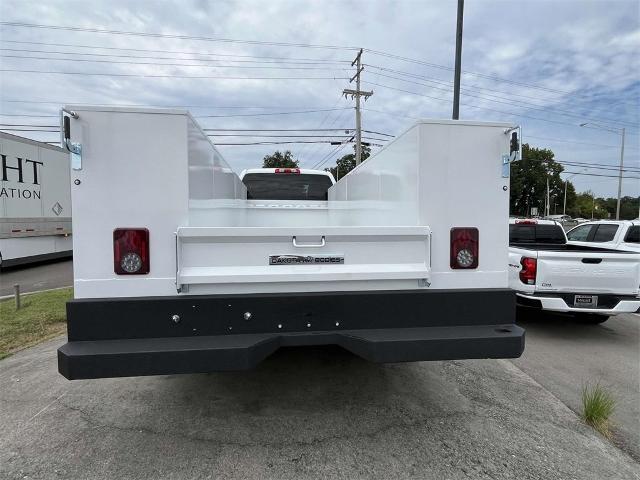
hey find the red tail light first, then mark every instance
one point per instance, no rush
(527, 222)
(529, 270)
(131, 251)
(287, 170)
(464, 248)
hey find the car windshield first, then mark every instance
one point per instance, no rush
(285, 186)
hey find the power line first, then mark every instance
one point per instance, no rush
(272, 113)
(503, 100)
(285, 44)
(317, 150)
(600, 175)
(212, 54)
(578, 143)
(178, 37)
(124, 62)
(477, 106)
(107, 74)
(480, 75)
(269, 60)
(597, 166)
(335, 151)
(60, 102)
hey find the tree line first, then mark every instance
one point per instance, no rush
(529, 190)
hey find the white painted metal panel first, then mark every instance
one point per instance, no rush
(564, 271)
(221, 256)
(134, 174)
(448, 175)
(157, 169)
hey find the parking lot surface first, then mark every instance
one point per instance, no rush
(33, 278)
(304, 413)
(563, 355)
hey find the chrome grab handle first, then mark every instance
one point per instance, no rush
(309, 245)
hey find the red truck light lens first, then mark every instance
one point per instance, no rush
(287, 170)
(464, 248)
(131, 251)
(529, 270)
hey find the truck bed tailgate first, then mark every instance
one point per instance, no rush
(310, 258)
(589, 272)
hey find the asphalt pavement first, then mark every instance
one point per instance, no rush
(303, 413)
(564, 355)
(33, 278)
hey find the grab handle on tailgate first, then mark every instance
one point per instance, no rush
(309, 245)
(591, 260)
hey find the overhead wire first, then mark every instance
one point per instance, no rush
(141, 75)
(508, 101)
(212, 54)
(174, 36)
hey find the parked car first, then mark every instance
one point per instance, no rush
(619, 235)
(589, 282)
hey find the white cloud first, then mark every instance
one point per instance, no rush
(587, 49)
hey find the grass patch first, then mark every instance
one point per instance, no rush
(42, 316)
(597, 406)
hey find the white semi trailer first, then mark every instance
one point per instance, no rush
(176, 271)
(35, 201)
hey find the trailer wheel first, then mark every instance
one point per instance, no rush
(591, 318)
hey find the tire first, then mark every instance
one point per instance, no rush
(591, 318)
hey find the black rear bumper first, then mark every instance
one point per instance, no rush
(141, 336)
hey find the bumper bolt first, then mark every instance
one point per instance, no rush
(175, 318)
(247, 315)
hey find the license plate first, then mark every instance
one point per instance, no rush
(585, 301)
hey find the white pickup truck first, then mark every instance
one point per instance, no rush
(177, 269)
(615, 234)
(550, 274)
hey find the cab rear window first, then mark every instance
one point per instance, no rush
(536, 234)
(286, 186)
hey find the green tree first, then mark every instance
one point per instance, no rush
(529, 183)
(346, 163)
(606, 207)
(280, 160)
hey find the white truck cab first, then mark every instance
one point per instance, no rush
(615, 234)
(177, 269)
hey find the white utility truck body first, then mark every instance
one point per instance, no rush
(549, 273)
(176, 271)
(35, 201)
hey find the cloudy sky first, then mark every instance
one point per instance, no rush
(282, 65)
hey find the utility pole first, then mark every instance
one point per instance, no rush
(547, 209)
(458, 67)
(620, 176)
(357, 93)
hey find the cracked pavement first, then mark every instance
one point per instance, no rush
(304, 413)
